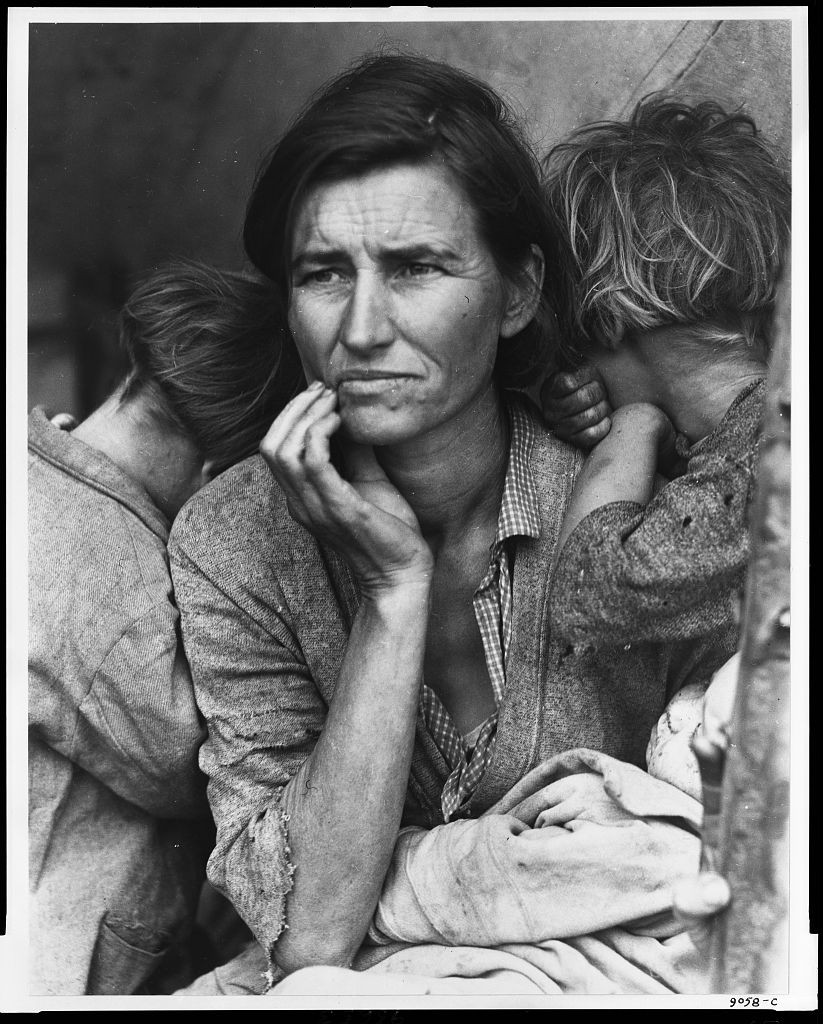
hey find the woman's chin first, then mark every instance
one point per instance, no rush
(375, 430)
(377, 426)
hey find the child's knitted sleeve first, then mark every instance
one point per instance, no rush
(668, 571)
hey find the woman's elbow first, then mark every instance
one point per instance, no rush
(313, 947)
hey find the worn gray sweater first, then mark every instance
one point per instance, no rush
(266, 613)
(118, 820)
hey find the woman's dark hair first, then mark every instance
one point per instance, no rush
(677, 215)
(392, 108)
(212, 352)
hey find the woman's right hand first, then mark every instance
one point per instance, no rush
(345, 801)
(365, 518)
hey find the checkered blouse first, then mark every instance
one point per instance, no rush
(467, 757)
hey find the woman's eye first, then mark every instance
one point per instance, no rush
(418, 269)
(326, 275)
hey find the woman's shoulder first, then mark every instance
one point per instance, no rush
(548, 453)
(246, 489)
(553, 463)
(239, 519)
(236, 554)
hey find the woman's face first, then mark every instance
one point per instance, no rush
(396, 301)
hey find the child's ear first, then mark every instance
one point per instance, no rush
(524, 295)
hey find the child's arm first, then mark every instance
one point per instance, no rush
(623, 466)
(669, 570)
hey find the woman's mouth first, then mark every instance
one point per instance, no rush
(371, 384)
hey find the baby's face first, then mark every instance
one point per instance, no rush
(669, 755)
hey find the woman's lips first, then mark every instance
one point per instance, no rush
(372, 384)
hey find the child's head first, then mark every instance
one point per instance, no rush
(677, 216)
(211, 357)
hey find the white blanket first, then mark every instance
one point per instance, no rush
(584, 907)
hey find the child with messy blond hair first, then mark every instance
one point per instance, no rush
(674, 226)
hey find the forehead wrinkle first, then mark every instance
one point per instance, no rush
(427, 230)
(366, 213)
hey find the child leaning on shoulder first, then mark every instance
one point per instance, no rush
(674, 228)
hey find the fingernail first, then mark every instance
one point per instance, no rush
(316, 385)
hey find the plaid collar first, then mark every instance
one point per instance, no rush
(519, 516)
(519, 509)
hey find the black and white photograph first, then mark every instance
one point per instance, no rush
(408, 552)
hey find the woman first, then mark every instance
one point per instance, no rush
(364, 608)
(119, 824)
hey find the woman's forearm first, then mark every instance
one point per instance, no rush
(345, 803)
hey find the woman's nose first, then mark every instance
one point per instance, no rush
(367, 322)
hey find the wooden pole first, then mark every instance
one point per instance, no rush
(749, 941)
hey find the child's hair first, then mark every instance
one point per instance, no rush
(212, 352)
(679, 215)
